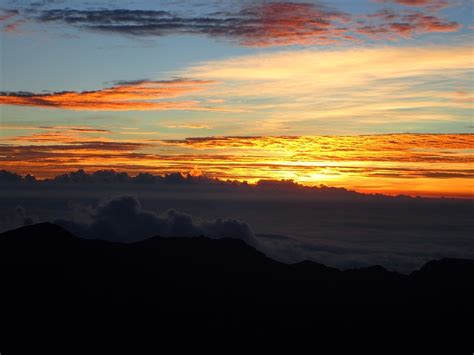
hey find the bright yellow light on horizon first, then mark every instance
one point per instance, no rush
(413, 164)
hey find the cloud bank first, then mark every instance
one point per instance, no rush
(123, 219)
(289, 223)
(415, 164)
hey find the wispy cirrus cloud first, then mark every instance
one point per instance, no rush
(425, 148)
(296, 91)
(74, 129)
(62, 136)
(189, 126)
(141, 95)
(356, 87)
(430, 4)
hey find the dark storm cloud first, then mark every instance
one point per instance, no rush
(123, 219)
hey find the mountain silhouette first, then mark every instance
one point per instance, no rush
(198, 283)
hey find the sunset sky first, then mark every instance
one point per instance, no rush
(371, 95)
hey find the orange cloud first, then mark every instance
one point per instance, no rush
(143, 95)
(424, 148)
(425, 164)
(55, 136)
(265, 24)
(262, 25)
(390, 24)
(286, 23)
(431, 4)
(85, 129)
(345, 89)
(189, 126)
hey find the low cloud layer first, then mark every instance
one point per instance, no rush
(123, 219)
(16, 217)
(286, 221)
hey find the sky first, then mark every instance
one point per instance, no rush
(370, 95)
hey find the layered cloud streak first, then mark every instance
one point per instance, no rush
(432, 165)
(260, 24)
(141, 95)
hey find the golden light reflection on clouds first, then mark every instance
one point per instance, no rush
(354, 88)
(415, 164)
(141, 95)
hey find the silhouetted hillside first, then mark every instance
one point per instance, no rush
(214, 283)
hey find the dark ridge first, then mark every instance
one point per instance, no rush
(49, 232)
(449, 270)
(47, 273)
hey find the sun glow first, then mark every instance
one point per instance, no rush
(413, 164)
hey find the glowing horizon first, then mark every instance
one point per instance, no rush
(411, 164)
(373, 96)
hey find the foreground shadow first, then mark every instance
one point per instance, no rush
(197, 283)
